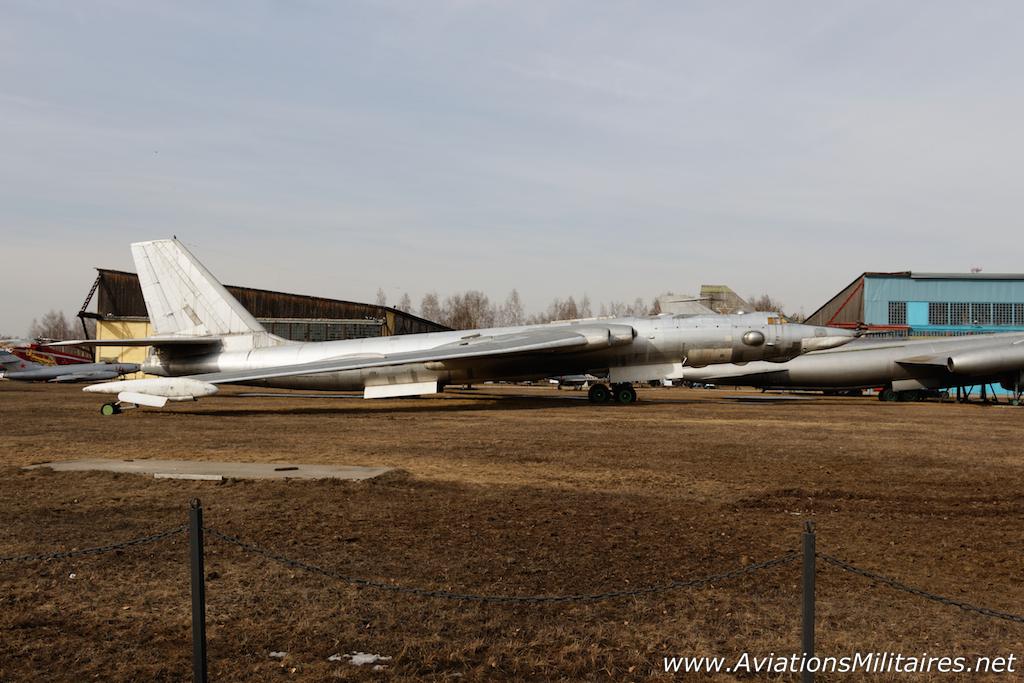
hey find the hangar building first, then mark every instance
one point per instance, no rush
(928, 304)
(121, 314)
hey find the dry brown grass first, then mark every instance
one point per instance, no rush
(511, 491)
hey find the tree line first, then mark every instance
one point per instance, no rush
(474, 309)
(462, 311)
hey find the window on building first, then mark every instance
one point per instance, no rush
(1002, 314)
(938, 313)
(1018, 314)
(959, 314)
(897, 312)
(981, 314)
(363, 331)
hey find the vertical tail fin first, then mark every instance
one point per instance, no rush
(182, 297)
(8, 361)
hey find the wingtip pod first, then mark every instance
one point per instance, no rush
(828, 338)
(169, 388)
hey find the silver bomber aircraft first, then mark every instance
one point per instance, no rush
(902, 367)
(204, 338)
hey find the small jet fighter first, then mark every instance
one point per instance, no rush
(205, 338)
(21, 370)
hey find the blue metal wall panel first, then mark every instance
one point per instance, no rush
(880, 290)
(917, 313)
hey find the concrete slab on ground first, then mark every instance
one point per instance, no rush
(211, 470)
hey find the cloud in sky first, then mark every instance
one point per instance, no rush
(618, 149)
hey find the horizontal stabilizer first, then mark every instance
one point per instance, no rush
(143, 341)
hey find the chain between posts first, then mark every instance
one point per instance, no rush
(500, 599)
(519, 599)
(97, 550)
(900, 586)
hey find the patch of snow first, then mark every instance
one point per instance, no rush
(278, 655)
(364, 658)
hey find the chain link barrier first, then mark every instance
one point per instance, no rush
(500, 599)
(519, 599)
(900, 586)
(97, 550)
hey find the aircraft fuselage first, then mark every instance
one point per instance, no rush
(659, 342)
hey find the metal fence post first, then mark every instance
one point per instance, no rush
(807, 635)
(195, 539)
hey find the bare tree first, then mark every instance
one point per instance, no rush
(584, 311)
(511, 312)
(382, 298)
(405, 303)
(467, 311)
(53, 325)
(765, 302)
(560, 309)
(615, 309)
(430, 307)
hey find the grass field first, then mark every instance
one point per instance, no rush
(512, 491)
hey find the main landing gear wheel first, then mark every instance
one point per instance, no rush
(624, 394)
(108, 409)
(599, 393)
(887, 394)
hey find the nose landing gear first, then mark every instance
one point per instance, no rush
(108, 409)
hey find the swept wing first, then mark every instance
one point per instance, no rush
(567, 339)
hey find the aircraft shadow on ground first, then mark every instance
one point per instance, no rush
(466, 404)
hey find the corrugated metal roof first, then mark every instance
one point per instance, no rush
(120, 296)
(967, 276)
(914, 275)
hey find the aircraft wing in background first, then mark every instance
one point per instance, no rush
(93, 376)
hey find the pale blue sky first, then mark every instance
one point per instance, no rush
(619, 149)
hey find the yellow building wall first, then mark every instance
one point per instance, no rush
(116, 329)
